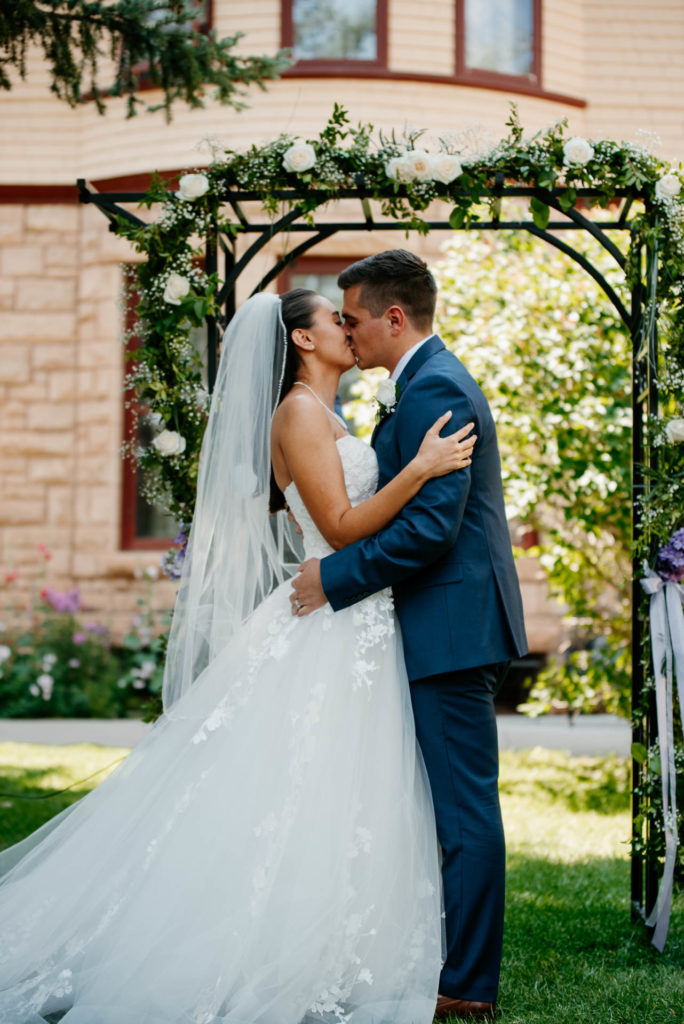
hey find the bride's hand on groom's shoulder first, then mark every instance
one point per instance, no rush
(441, 454)
(307, 589)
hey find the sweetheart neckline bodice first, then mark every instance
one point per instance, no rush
(360, 468)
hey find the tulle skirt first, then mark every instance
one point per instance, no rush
(267, 854)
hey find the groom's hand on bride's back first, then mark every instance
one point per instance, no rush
(307, 589)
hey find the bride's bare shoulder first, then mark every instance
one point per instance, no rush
(298, 413)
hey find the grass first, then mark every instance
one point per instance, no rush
(41, 771)
(571, 954)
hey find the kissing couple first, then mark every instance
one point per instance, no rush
(311, 832)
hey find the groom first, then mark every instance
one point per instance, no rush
(448, 558)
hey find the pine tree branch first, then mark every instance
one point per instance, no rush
(142, 37)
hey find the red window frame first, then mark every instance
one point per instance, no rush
(525, 85)
(337, 65)
(495, 79)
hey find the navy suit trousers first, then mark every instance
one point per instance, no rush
(456, 729)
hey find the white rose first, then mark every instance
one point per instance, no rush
(386, 395)
(446, 167)
(420, 162)
(45, 682)
(675, 431)
(5, 652)
(668, 186)
(192, 186)
(399, 168)
(299, 157)
(151, 571)
(177, 288)
(577, 151)
(169, 442)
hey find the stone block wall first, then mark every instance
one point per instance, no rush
(61, 368)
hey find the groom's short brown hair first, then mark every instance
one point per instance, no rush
(394, 278)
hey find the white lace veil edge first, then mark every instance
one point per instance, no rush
(237, 551)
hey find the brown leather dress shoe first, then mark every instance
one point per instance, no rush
(467, 1008)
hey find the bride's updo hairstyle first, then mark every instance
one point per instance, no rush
(298, 310)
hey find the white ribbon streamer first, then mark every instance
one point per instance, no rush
(667, 649)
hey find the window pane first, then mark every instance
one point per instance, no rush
(329, 29)
(499, 36)
(324, 284)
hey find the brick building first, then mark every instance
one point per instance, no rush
(441, 64)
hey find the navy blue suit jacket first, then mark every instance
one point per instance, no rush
(447, 555)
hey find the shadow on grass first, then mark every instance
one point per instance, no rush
(17, 779)
(30, 804)
(600, 784)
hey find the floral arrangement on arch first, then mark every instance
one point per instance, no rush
(404, 174)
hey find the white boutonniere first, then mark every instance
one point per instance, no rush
(386, 396)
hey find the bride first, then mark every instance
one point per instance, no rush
(267, 854)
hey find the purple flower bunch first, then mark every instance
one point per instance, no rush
(96, 627)
(670, 564)
(68, 601)
(172, 561)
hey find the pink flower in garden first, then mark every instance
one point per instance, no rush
(11, 576)
(79, 638)
(43, 550)
(67, 602)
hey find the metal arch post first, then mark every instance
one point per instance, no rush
(644, 869)
(639, 829)
(211, 267)
(650, 461)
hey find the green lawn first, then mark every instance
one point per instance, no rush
(571, 955)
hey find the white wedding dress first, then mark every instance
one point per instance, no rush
(267, 854)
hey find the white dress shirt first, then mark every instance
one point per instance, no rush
(396, 372)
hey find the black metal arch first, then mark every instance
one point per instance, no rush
(640, 320)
